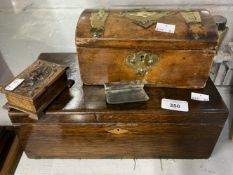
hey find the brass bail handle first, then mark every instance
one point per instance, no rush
(141, 62)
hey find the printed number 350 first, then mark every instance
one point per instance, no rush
(174, 105)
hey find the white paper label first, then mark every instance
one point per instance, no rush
(176, 105)
(205, 12)
(169, 28)
(199, 97)
(14, 84)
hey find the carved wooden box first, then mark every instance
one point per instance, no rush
(41, 83)
(116, 45)
(80, 124)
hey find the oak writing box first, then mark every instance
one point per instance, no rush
(80, 124)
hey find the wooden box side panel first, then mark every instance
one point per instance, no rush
(136, 141)
(23, 103)
(175, 68)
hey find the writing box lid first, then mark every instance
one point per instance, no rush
(88, 105)
(137, 28)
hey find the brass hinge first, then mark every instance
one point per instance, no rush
(98, 19)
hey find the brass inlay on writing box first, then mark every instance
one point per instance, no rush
(98, 19)
(142, 61)
(118, 131)
(143, 18)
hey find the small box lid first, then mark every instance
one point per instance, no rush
(35, 79)
(144, 28)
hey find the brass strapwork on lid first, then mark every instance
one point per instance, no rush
(144, 18)
(193, 21)
(98, 19)
(191, 16)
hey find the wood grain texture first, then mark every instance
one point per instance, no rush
(184, 59)
(11, 154)
(121, 32)
(176, 68)
(48, 90)
(77, 124)
(141, 141)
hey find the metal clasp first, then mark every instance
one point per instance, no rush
(98, 19)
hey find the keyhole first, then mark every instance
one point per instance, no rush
(142, 56)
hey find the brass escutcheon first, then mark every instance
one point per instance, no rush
(118, 131)
(141, 61)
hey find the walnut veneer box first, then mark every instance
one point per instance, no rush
(115, 45)
(80, 124)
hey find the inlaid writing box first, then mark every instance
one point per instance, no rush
(116, 45)
(38, 85)
(80, 124)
